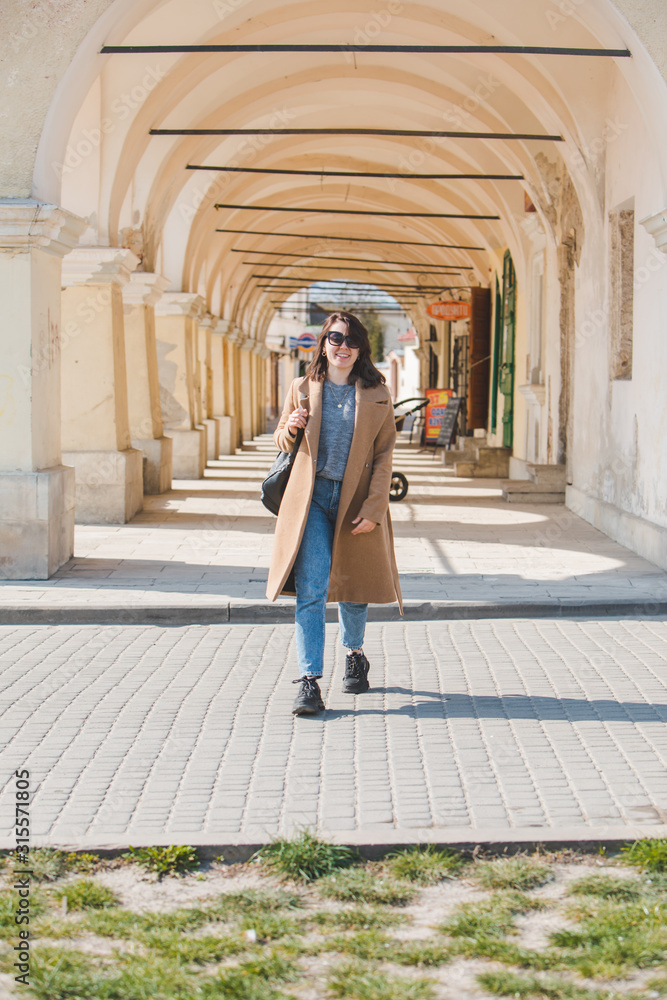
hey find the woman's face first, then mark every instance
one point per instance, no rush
(342, 357)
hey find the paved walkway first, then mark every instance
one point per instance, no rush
(200, 553)
(500, 731)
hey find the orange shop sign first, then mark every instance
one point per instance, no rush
(449, 310)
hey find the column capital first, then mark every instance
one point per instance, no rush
(26, 223)
(98, 266)
(248, 344)
(219, 328)
(180, 304)
(207, 321)
(656, 225)
(144, 289)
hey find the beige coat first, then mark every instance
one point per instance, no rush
(363, 567)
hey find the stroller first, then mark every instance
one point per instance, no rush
(398, 488)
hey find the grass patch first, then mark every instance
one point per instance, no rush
(254, 901)
(84, 894)
(126, 924)
(8, 909)
(608, 887)
(185, 949)
(650, 855)
(305, 858)
(358, 918)
(519, 872)
(256, 979)
(57, 974)
(356, 981)
(424, 865)
(365, 885)
(489, 918)
(510, 984)
(177, 859)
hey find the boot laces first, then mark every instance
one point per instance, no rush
(355, 664)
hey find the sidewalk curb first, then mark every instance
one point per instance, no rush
(264, 613)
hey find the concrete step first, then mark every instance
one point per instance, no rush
(489, 463)
(547, 475)
(527, 491)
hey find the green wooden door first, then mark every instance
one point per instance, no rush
(507, 366)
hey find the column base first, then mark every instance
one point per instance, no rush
(227, 435)
(189, 459)
(36, 522)
(109, 485)
(212, 438)
(157, 462)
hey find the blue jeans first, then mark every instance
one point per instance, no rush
(311, 574)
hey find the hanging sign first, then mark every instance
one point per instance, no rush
(449, 310)
(306, 342)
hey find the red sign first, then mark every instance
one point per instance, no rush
(306, 342)
(449, 310)
(435, 410)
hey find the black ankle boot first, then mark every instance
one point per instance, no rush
(309, 699)
(356, 674)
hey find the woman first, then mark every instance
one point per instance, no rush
(333, 539)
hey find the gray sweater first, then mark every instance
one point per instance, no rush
(336, 430)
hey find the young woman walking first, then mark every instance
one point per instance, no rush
(333, 538)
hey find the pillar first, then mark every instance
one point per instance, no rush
(95, 418)
(36, 489)
(175, 315)
(246, 387)
(143, 386)
(206, 379)
(221, 388)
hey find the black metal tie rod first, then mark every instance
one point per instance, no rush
(361, 173)
(351, 260)
(522, 50)
(409, 133)
(353, 211)
(346, 239)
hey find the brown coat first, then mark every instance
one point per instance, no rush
(363, 567)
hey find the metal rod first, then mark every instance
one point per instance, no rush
(337, 267)
(527, 50)
(321, 256)
(409, 133)
(348, 239)
(353, 211)
(361, 173)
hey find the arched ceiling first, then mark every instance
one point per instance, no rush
(132, 182)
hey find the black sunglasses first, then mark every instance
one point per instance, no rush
(337, 338)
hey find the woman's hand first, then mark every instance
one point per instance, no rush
(363, 526)
(297, 418)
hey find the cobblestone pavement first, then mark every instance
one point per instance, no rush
(205, 547)
(473, 730)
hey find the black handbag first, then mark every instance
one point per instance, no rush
(274, 485)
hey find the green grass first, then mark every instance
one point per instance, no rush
(355, 981)
(305, 858)
(357, 918)
(491, 917)
(509, 984)
(84, 894)
(365, 885)
(608, 887)
(177, 859)
(8, 901)
(650, 855)
(519, 872)
(424, 865)
(256, 979)
(254, 901)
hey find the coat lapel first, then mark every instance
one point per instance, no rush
(310, 396)
(370, 409)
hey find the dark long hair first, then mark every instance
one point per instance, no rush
(364, 371)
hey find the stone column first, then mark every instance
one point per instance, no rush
(36, 489)
(175, 325)
(206, 379)
(246, 408)
(96, 430)
(143, 385)
(262, 352)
